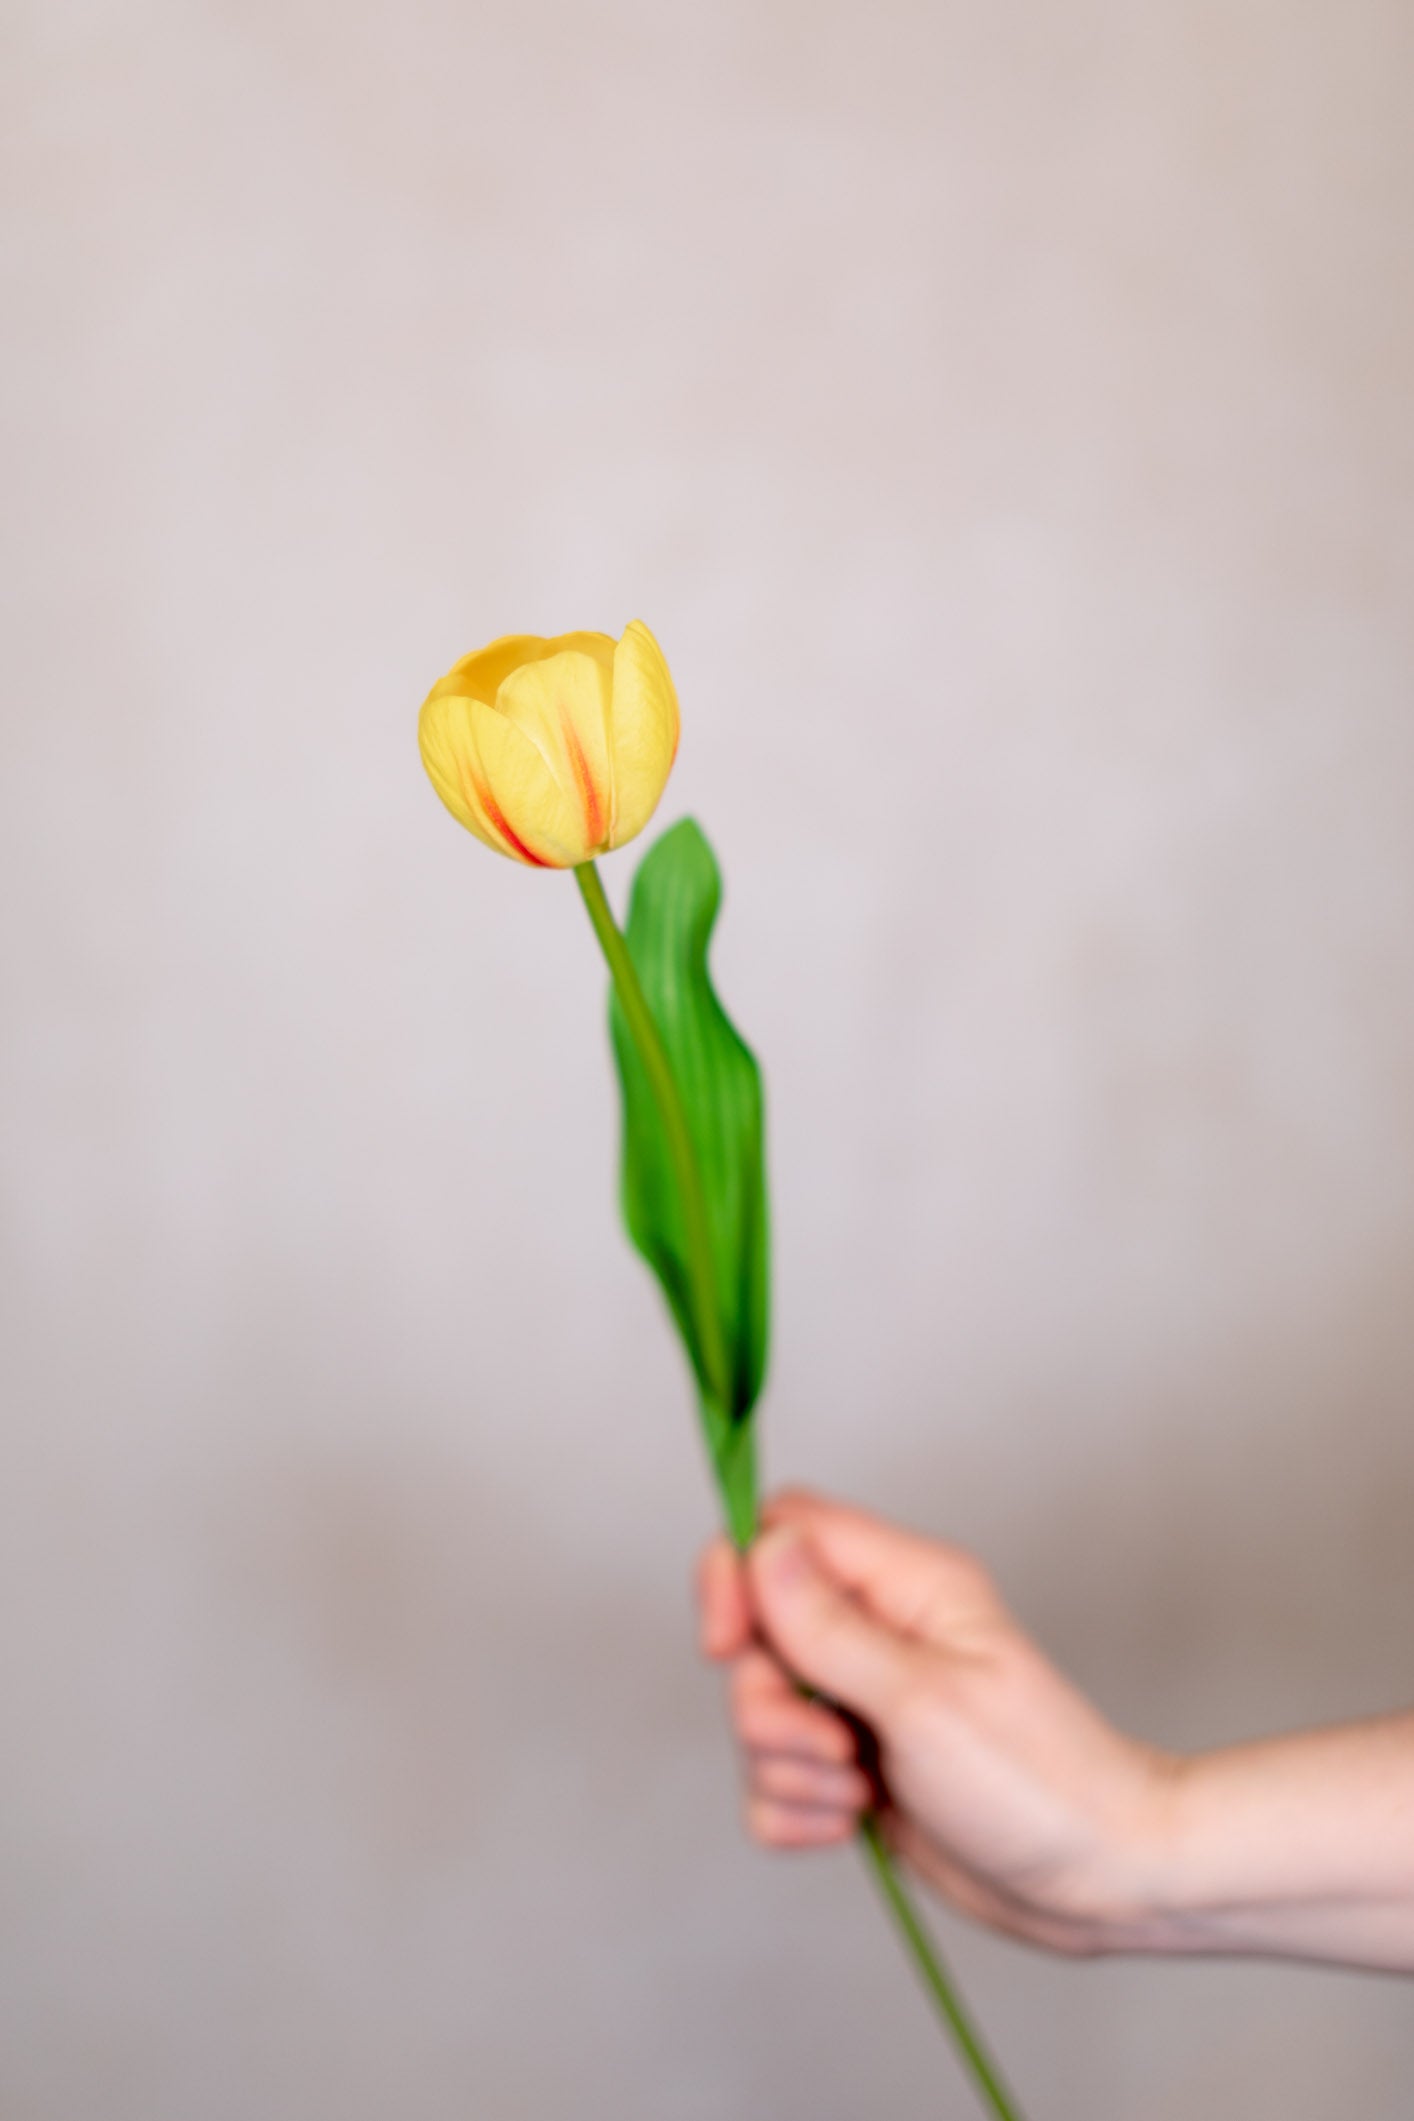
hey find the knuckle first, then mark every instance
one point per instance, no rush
(761, 1821)
(745, 1685)
(759, 1784)
(776, 1776)
(754, 1729)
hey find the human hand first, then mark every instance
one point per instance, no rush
(996, 1780)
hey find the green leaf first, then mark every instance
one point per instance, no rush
(673, 907)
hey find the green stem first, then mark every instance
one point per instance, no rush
(732, 1449)
(935, 1976)
(697, 1229)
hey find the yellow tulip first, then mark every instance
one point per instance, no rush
(553, 751)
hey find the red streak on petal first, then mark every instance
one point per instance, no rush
(584, 780)
(497, 817)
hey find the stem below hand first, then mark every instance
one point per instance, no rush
(934, 1974)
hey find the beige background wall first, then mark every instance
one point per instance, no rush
(1003, 416)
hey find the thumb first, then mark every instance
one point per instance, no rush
(820, 1633)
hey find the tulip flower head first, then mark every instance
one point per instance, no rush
(553, 751)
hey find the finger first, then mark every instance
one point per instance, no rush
(796, 1826)
(821, 1633)
(758, 1678)
(799, 1729)
(923, 1587)
(809, 1782)
(725, 1612)
(768, 1715)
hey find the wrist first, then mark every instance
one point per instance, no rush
(1173, 1882)
(1128, 1897)
(1196, 1875)
(1154, 1909)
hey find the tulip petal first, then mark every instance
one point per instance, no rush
(560, 703)
(449, 754)
(598, 645)
(643, 730)
(495, 782)
(480, 676)
(523, 798)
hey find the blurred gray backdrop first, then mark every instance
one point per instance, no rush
(1002, 414)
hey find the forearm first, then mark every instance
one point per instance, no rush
(1299, 1847)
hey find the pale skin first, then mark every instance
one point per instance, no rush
(1007, 1791)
